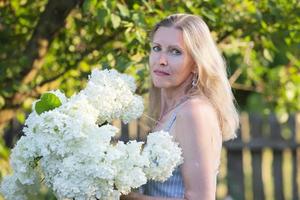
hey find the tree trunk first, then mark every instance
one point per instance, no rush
(50, 22)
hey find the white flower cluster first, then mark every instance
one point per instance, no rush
(67, 149)
(164, 155)
(113, 95)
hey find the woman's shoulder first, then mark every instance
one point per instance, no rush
(197, 119)
(197, 106)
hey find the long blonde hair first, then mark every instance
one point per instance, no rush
(211, 68)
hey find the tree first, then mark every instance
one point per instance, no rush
(30, 56)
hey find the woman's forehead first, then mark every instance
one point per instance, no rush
(169, 36)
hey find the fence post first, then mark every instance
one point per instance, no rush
(256, 122)
(235, 168)
(295, 139)
(277, 157)
(125, 132)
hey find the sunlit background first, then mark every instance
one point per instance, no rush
(49, 44)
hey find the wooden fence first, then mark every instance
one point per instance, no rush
(262, 163)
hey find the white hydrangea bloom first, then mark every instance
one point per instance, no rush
(130, 82)
(134, 163)
(164, 155)
(112, 93)
(23, 160)
(12, 189)
(133, 110)
(76, 157)
(33, 121)
(79, 107)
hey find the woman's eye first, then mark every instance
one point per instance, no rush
(156, 48)
(175, 52)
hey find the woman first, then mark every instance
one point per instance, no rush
(196, 106)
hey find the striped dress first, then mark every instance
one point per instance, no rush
(172, 187)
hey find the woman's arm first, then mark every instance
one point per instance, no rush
(197, 130)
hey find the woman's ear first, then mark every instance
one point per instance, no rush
(195, 69)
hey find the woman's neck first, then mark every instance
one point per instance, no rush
(171, 97)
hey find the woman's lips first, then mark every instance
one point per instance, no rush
(161, 73)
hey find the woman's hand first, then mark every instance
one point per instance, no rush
(131, 196)
(138, 196)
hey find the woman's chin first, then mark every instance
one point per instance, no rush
(161, 85)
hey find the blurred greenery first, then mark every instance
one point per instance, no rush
(260, 41)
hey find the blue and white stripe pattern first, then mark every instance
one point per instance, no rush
(172, 187)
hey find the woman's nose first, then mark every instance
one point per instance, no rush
(163, 60)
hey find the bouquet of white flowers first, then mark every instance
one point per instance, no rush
(66, 146)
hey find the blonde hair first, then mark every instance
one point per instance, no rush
(211, 68)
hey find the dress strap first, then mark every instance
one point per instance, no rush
(171, 122)
(173, 118)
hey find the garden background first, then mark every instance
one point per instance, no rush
(51, 44)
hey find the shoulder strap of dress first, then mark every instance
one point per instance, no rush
(171, 122)
(173, 118)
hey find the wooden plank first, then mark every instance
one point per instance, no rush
(277, 158)
(277, 174)
(292, 127)
(256, 123)
(295, 174)
(261, 143)
(275, 128)
(296, 158)
(235, 173)
(132, 126)
(125, 132)
(298, 172)
(142, 129)
(117, 123)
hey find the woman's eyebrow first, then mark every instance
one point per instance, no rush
(156, 43)
(176, 46)
(169, 46)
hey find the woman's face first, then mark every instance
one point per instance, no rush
(170, 62)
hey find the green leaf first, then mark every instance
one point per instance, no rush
(4, 151)
(267, 55)
(101, 14)
(21, 117)
(123, 10)
(116, 20)
(2, 101)
(48, 101)
(89, 5)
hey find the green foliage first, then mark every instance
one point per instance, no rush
(261, 39)
(18, 20)
(4, 152)
(4, 157)
(48, 102)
